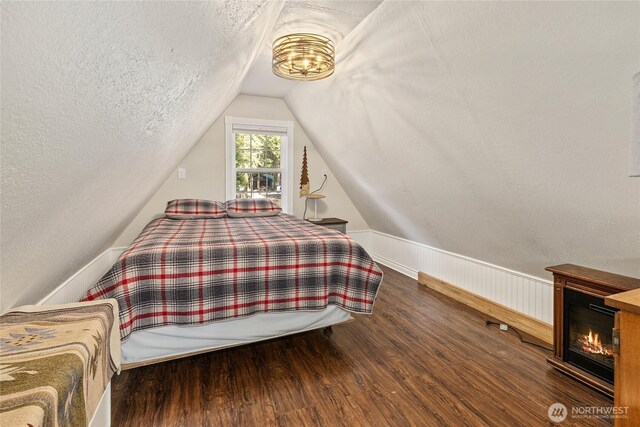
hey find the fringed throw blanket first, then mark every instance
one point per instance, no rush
(197, 271)
(56, 361)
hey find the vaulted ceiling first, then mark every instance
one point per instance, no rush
(100, 101)
(495, 130)
(334, 19)
(499, 131)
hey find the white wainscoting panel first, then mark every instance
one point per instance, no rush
(102, 415)
(361, 237)
(521, 292)
(74, 288)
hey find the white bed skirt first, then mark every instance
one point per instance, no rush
(173, 341)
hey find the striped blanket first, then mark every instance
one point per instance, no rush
(56, 361)
(196, 271)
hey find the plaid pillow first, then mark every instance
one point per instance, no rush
(194, 209)
(240, 208)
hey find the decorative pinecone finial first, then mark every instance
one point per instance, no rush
(304, 177)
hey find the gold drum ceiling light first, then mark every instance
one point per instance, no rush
(303, 56)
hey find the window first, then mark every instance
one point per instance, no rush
(259, 160)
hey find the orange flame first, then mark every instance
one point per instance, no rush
(591, 344)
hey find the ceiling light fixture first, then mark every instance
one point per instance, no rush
(303, 56)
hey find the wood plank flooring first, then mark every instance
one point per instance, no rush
(421, 359)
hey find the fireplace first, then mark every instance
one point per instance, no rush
(588, 329)
(583, 326)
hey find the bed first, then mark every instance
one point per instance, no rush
(186, 286)
(56, 364)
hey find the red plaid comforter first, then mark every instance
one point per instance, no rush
(197, 271)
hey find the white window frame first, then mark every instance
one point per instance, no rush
(233, 124)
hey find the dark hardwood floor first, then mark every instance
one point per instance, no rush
(421, 359)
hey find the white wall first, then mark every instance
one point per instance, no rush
(205, 165)
(494, 130)
(497, 131)
(100, 100)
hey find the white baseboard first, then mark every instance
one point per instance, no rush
(74, 288)
(527, 294)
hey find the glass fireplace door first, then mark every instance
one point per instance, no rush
(588, 341)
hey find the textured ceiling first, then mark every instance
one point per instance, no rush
(334, 19)
(499, 131)
(100, 101)
(495, 130)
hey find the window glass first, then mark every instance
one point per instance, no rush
(259, 185)
(259, 158)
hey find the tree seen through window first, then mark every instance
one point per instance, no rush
(258, 173)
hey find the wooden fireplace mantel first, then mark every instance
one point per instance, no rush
(591, 282)
(611, 282)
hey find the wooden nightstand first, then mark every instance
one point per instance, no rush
(333, 223)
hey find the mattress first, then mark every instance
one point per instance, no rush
(172, 341)
(199, 271)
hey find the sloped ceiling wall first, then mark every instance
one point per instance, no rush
(495, 130)
(333, 19)
(498, 131)
(100, 101)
